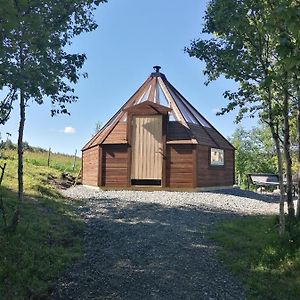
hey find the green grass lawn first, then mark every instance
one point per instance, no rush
(49, 234)
(268, 266)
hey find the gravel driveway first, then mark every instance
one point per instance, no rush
(154, 245)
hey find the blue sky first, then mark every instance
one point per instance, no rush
(132, 37)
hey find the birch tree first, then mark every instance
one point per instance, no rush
(34, 62)
(244, 47)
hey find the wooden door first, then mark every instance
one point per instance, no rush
(147, 150)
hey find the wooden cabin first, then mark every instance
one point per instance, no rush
(158, 139)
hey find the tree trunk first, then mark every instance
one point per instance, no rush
(16, 215)
(287, 154)
(275, 137)
(20, 147)
(280, 176)
(298, 156)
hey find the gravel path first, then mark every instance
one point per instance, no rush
(154, 245)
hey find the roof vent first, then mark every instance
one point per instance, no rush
(157, 68)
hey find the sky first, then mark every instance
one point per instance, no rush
(132, 37)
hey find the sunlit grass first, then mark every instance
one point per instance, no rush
(268, 266)
(36, 170)
(49, 234)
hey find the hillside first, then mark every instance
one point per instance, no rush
(48, 237)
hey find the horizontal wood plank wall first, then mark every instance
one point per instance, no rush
(114, 165)
(214, 175)
(90, 166)
(118, 134)
(179, 172)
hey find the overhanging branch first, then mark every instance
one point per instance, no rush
(6, 106)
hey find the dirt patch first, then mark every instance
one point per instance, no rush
(65, 181)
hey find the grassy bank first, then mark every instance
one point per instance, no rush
(48, 237)
(268, 266)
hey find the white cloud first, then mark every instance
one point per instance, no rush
(69, 130)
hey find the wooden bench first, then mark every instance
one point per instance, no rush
(263, 180)
(266, 180)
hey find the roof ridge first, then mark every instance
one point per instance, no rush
(109, 122)
(181, 109)
(204, 119)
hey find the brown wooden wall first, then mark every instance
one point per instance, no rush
(214, 175)
(114, 165)
(117, 135)
(187, 166)
(180, 166)
(90, 166)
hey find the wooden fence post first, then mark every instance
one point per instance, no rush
(2, 173)
(74, 163)
(49, 154)
(2, 208)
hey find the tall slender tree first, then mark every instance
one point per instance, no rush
(244, 46)
(34, 60)
(284, 24)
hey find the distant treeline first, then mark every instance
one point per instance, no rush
(9, 145)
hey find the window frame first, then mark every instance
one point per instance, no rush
(216, 165)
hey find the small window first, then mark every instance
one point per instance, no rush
(217, 157)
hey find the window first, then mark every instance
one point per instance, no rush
(217, 157)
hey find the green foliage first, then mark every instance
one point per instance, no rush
(255, 152)
(49, 236)
(269, 266)
(34, 36)
(234, 50)
(255, 44)
(8, 144)
(250, 42)
(285, 23)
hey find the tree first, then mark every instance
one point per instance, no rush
(243, 48)
(285, 24)
(97, 127)
(34, 62)
(251, 145)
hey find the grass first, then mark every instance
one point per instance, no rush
(268, 266)
(49, 234)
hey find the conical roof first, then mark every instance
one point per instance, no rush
(186, 124)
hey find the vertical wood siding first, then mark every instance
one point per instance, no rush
(180, 166)
(147, 150)
(215, 175)
(90, 166)
(114, 165)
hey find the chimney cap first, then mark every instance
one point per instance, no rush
(157, 68)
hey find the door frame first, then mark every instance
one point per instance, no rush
(165, 118)
(144, 168)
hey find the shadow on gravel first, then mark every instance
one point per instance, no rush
(136, 250)
(248, 194)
